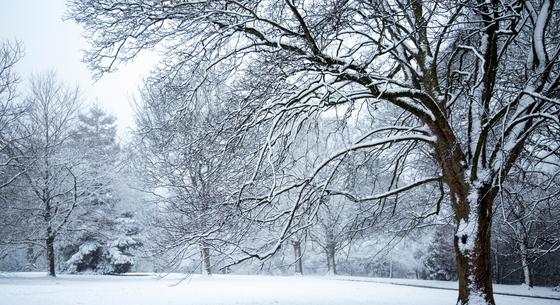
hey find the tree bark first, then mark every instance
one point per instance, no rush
(472, 194)
(30, 256)
(497, 266)
(472, 241)
(331, 258)
(390, 266)
(524, 254)
(297, 255)
(50, 255)
(206, 267)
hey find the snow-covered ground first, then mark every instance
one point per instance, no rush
(38, 289)
(498, 289)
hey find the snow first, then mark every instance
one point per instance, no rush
(476, 295)
(507, 289)
(468, 229)
(148, 289)
(538, 34)
(85, 249)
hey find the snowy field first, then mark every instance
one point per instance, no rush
(498, 289)
(37, 289)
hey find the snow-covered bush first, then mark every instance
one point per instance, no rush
(87, 257)
(113, 255)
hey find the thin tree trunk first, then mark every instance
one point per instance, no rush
(50, 255)
(206, 267)
(390, 266)
(30, 257)
(524, 254)
(331, 258)
(497, 266)
(297, 254)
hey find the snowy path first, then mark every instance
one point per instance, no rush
(508, 290)
(37, 289)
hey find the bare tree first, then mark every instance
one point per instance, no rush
(472, 81)
(52, 178)
(10, 54)
(333, 232)
(10, 109)
(186, 167)
(528, 208)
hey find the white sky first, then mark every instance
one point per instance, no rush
(51, 43)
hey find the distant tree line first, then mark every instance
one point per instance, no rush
(59, 171)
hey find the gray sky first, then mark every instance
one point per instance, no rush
(51, 43)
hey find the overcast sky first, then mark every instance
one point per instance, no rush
(51, 43)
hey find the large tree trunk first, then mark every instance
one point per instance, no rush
(50, 255)
(472, 240)
(206, 267)
(297, 255)
(472, 194)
